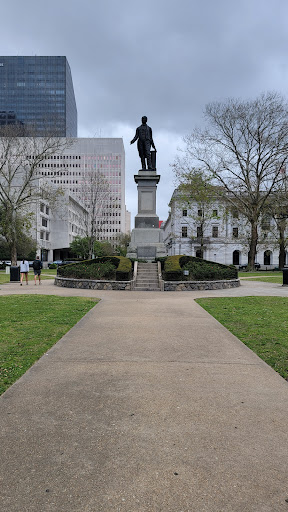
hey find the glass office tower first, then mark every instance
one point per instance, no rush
(37, 93)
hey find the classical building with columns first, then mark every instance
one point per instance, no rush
(217, 234)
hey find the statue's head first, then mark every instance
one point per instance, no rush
(144, 120)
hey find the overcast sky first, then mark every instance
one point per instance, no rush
(159, 58)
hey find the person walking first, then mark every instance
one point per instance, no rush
(37, 266)
(24, 269)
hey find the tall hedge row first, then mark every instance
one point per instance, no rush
(116, 268)
(197, 268)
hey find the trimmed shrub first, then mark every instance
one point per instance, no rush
(97, 270)
(199, 269)
(162, 260)
(105, 267)
(124, 270)
(172, 269)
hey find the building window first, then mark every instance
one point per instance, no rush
(235, 232)
(199, 232)
(265, 224)
(235, 213)
(184, 213)
(267, 258)
(184, 232)
(44, 222)
(47, 236)
(42, 207)
(47, 210)
(41, 235)
(215, 213)
(215, 232)
(236, 257)
(200, 213)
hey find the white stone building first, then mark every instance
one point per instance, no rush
(217, 234)
(55, 224)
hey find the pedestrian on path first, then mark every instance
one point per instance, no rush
(24, 269)
(37, 266)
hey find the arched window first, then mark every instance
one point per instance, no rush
(267, 258)
(236, 257)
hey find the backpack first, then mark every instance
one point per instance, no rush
(37, 265)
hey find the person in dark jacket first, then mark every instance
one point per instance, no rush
(144, 142)
(37, 266)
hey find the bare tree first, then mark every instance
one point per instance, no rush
(95, 192)
(276, 210)
(244, 149)
(20, 157)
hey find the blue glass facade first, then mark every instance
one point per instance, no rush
(38, 92)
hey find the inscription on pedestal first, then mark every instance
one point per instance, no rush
(147, 251)
(146, 201)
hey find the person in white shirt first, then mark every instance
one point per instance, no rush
(24, 269)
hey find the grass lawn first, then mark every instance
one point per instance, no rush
(260, 322)
(267, 277)
(45, 274)
(30, 325)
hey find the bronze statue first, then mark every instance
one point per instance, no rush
(144, 142)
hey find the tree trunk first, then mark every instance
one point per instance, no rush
(202, 240)
(91, 247)
(13, 251)
(282, 252)
(253, 246)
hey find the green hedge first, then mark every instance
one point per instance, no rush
(172, 269)
(199, 269)
(124, 270)
(105, 267)
(162, 260)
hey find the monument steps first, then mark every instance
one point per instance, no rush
(147, 277)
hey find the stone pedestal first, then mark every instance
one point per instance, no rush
(146, 238)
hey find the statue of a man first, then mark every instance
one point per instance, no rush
(145, 141)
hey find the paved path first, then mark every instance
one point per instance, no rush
(147, 404)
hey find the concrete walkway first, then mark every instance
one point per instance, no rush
(147, 405)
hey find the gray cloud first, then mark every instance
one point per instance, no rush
(159, 58)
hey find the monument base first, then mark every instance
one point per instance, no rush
(146, 221)
(147, 238)
(146, 244)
